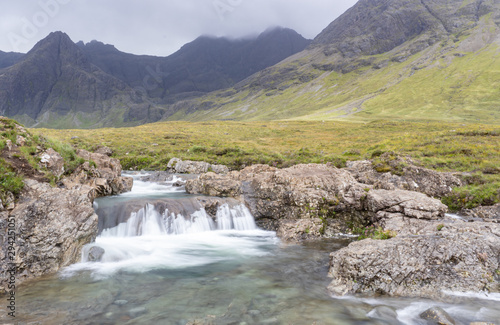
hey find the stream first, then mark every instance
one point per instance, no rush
(178, 265)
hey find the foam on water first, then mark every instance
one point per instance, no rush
(152, 240)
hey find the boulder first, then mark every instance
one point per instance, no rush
(52, 161)
(277, 197)
(391, 172)
(105, 178)
(51, 226)
(426, 260)
(178, 166)
(437, 316)
(95, 254)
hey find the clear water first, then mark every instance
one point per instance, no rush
(205, 271)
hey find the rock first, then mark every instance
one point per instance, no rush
(410, 204)
(105, 178)
(121, 184)
(401, 173)
(279, 197)
(486, 213)
(459, 257)
(95, 254)
(385, 314)
(437, 316)
(52, 225)
(104, 151)
(121, 302)
(8, 144)
(158, 177)
(178, 166)
(9, 201)
(136, 312)
(53, 161)
(20, 140)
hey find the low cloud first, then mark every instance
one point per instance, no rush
(158, 27)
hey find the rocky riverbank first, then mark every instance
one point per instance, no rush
(428, 253)
(51, 218)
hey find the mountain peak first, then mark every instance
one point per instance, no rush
(377, 26)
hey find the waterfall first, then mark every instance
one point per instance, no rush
(149, 222)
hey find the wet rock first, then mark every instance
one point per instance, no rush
(178, 166)
(437, 316)
(52, 225)
(53, 161)
(385, 314)
(460, 257)
(158, 177)
(95, 254)
(136, 312)
(120, 302)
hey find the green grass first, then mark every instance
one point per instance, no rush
(453, 147)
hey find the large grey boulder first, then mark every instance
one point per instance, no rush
(51, 227)
(278, 198)
(426, 259)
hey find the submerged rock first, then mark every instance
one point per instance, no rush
(437, 316)
(385, 314)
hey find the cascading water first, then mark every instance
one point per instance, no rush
(151, 239)
(166, 260)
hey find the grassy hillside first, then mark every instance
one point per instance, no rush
(454, 80)
(470, 148)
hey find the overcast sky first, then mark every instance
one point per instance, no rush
(157, 27)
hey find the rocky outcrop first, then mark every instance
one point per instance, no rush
(52, 161)
(426, 259)
(279, 198)
(51, 225)
(487, 213)
(391, 172)
(104, 177)
(178, 166)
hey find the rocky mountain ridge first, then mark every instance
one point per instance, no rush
(62, 84)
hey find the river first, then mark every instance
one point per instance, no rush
(169, 268)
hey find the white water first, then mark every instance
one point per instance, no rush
(150, 240)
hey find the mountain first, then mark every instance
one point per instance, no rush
(8, 59)
(204, 65)
(55, 84)
(63, 84)
(381, 59)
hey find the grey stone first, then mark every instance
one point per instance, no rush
(437, 316)
(136, 312)
(95, 254)
(385, 314)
